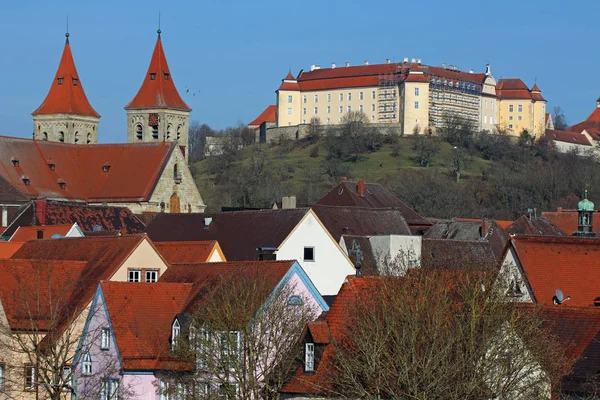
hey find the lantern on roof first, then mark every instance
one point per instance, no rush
(585, 215)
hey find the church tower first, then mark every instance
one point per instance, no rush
(66, 114)
(157, 113)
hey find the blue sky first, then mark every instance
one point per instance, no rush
(235, 53)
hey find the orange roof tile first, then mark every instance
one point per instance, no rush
(7, 249)
(141, 316)
(66, 95)
(133, 174)
(568, 220)
(25, 233)
(187, 252)
(566, 263)
(268, 115)
(158, 89)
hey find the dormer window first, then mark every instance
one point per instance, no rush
(175, 332)
(166, 76)
(309, 357)
(59, 81)
(152, 76)
(15, 162)
(62, 183)
(105, 168)
(25, 180)
(51, 166)
(75, 81)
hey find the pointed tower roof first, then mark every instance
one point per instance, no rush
(66, 95)
(289, 82)
(290, 76)
(535, 88)
(158, 89)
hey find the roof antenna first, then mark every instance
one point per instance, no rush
(158, 31)
(67, 34)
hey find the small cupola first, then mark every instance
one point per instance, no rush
(585, 215)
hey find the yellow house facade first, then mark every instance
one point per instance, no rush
(520, 108)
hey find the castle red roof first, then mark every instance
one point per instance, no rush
(568, 137)
(591, 124)
(72, 172)
(516, 89)
(158, 89)
(268, 115)
(566, 263)
(66, 95)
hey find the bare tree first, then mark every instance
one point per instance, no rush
(560, 119)
(41, 332)
(197, 140)
(459, 161)
(442, 335)
(426, 147)
(242, 339)
(315, 130)
(457, 130)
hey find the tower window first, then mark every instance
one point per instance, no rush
(45, 136)
(75, 81)
(89, 138)
(61, 136)
(169, 127)
(155, 132)
(76, 136)
(178, 132)
(152, 76)
(139, 132)
(60, 81)
(166, 76)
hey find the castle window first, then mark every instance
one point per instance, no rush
(139, 132)
(59, 81)
(75, 81)
(61, 136)
(152, 76)
(166, 76)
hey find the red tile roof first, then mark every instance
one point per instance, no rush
(568, 137)
(187, 252)
(568, 220)
(591, 123)
(159, 92)
(66, 97)
(374, 196)
(89, 218)
(37, 294)
(7, 249)
(25, 233)
(141, 316)
(566, 263)
(515, 89)
(133, 174)
(268, 115)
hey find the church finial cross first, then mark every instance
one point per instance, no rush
(67, 34)
(159, 31)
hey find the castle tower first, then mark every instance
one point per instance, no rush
(157, 112)
(66, 114)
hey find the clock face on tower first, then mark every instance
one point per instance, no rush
(153, 119)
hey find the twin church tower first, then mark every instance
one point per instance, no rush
(157, 113)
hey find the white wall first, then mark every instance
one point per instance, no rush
(331, 265)
(511, 269)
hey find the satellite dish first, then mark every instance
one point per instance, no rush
(559, 296)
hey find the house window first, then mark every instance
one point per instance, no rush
(510, 117)
(520, 117)
(416, 91)
(289, 111)
(105, 339)
(152, 276)
(29, 377)
(373, 107)
(484, 118)
(86, 364)
(316, 98)
(316, 110)
(510, 126)
(329, 97)
(328, 120)
(328, 109)
(341, 96)
(341, 109)
(360, 108)
(290, 99)
(520, 108)
(175, 332)
(304, 111)
(230, 345)
(304, 99)
(373, 96)
(66, 377)
(152, 76)
(309, 254)
(349, 96)
(361, 96)
(2, 372)
(109, 389)
(416, 105)
(510, 108)
(134, 275)
(349, 108)
(309, 357)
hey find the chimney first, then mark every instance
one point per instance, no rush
(360, 187)
(405, 59)
(40, 211)
(332, 65)
(288, 202)
(471, 71)
(207, 222)
(413, 60)
(485, 228)
(317, 67)
(366, 62)
(444, 65)
(344, 179)
(347, 64)
(312, 67)
(418, 61)
(387, 60)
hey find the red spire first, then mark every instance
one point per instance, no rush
(535, 88)
(158, 89)
(289, 77)
(66, 95)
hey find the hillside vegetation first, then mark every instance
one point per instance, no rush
(453, 175)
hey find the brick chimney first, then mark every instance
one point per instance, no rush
(40, 211)
(485, 228)
(360, 187)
